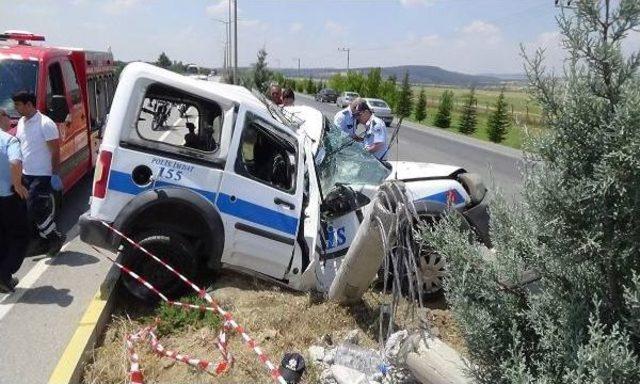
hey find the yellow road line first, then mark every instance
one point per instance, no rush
(69, 367)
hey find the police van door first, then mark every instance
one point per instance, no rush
(261, 195)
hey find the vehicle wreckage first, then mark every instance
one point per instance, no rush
(232, 181)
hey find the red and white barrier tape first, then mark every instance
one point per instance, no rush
(221, 341)
(251, 343)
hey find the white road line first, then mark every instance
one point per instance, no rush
(9, 300)
(166, 134)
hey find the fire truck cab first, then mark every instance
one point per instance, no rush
(73, 87)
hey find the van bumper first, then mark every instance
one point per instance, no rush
(93, 232)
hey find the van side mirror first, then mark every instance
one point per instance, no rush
(341, 200)
(59, 108)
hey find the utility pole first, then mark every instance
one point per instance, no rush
(227, 45)
(348, 50)
(235, 42)
(297, 58)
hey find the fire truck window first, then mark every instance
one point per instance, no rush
(57, 108)
(267, 157)
(71, 81)
(173, 120)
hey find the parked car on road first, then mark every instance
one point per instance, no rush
(346, 98)
(327, 95)
(381, 109)
(247, 185)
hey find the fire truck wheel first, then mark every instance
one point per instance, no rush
(169, 246)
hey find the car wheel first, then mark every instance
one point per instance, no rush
(170, 247)
(432, 270)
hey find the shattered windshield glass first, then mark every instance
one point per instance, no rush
(343, 160)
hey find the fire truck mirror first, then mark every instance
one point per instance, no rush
(59, 108)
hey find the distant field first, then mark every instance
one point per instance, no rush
(523, 110)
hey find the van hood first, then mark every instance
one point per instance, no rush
(409, 170)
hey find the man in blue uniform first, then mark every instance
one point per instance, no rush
(14, 226)
(375, 138)
(345, 120)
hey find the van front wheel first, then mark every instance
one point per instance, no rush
(170, 247)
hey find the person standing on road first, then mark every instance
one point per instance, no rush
(375, 139)
(40, 144)
(14, 226)
(345, 120)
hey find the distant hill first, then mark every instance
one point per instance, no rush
(418, 74)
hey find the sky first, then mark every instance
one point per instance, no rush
(471, 36)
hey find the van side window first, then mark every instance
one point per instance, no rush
(57, 108)
(71, 81)
(171, 120)
(266, 156)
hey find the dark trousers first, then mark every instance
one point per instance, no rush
(40, 206)
(14, 235)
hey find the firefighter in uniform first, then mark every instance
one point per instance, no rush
(375, 138)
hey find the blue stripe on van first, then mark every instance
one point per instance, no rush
(121, 182)
(242, 209)
(245, 210)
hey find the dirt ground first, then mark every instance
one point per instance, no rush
(279, 319)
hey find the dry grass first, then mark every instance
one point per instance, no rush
(279, 319)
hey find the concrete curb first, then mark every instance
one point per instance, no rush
(68, 370)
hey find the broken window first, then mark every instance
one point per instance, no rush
(343, 160)
(267, 156)
(171, 120)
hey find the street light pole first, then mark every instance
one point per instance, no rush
(348, 50)
(235, 42)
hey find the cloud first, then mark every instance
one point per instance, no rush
(430, 40)
(296, 27)
(335, 28)
(480, 27)
(218, 9)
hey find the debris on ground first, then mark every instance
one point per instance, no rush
(291, 321)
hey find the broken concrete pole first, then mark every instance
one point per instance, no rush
(363, 259)
(437, 363)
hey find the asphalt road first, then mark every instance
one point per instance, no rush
(37, 321)
(500, 166)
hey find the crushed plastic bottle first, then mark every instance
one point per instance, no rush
(364, 360)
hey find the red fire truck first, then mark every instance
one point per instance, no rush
(73, 87)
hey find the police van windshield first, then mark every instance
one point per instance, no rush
(15, 76)
(340, 159)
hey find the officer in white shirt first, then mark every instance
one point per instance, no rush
(375, 139)
(345, 120)
(14, 225)
(39, 142)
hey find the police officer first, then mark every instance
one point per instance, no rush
(14, 226)
(375, 139)
(40, 146)
(345, 120)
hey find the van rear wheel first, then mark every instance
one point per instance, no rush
(169, 246)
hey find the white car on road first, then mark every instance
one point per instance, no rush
(381, 109)
(346, 98)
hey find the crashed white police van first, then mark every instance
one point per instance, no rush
(209, 175)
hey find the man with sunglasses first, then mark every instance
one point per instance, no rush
(375, 138)
(14, 226)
